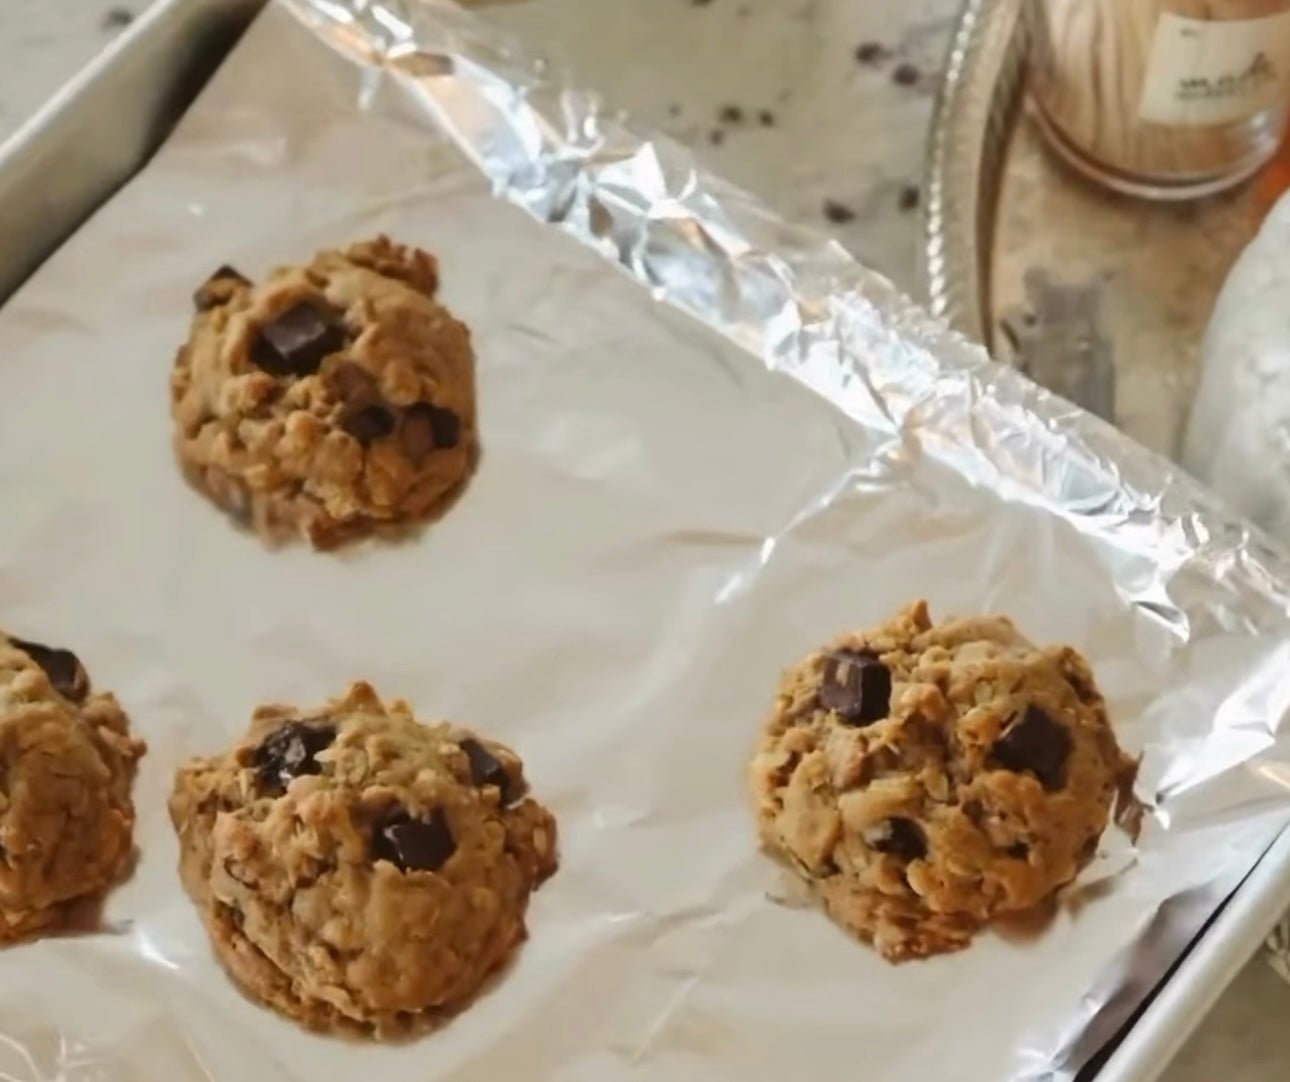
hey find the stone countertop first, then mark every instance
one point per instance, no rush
(818, 106)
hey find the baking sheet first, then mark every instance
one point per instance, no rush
(667, 513)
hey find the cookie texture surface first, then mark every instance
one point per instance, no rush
(925, 779)
(358, 870)
(67, 763)
(330, 400)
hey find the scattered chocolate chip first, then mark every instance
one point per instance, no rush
(766, 118)
(716, 137)
(731, 114)
(910, 197)
(216, 289)
(872, 52)
(414, 845)
(901, 838)
(290, 751)
(485, 768)
(1034, 742)
(353, 382)
(116, 18)
(906, 74)
(856, 686)
(62, 667)
(368, 423)
(838, 213)
(295, 342)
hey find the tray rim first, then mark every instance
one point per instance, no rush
(156, 51)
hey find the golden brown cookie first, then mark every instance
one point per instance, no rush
(925, 779)
(358, 870)
(67, 762)
(331, 399)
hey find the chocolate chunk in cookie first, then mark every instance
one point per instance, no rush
(297, 340)
(428, 428)
(217, 289)
(856, 685)
(62, 667)
(291, 752)
(485, 769)
(901, 838)
(369, 423)
(414, 845)
(1036, 743)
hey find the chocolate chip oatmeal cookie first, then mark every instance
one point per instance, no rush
(331, 399)
(66, 766)
(356, 869)
(925, 779)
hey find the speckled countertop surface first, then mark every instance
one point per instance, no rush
(751, 86)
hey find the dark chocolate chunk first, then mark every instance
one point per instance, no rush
(1034, 742)
(215, 290)
(731, 114)
(429, 428)
(906, 74)
(1019, 850)
(897, 837)
(368, 423)
(485, 769)
(62, 667)
(910, 197)
(766, 118)
(295, 342)
(290, 751)
(117, 18)
(414, 845)
(872, 52)
(857, 686)
(838, 213)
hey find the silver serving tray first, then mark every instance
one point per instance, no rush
(108, 120)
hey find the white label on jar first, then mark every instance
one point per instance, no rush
(1203, 73)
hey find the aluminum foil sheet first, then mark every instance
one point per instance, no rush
(711, 441)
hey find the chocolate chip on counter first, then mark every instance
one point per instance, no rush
(291, 751)
(766, 118)
(63, 668)
(838, 213)
(353, 381)
(414, 845)
(1034, 742)
(857, 686)
(485, 768)
(117, 18)
(910, 197)
(215, 290)
(731, 114)
(296, 341)
(871, 52)
(897, 837)
(368, 424)
(906, 74)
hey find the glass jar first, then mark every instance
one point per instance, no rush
(1167, 99)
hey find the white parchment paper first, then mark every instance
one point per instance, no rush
(669, 511)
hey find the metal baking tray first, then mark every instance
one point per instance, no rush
(110, 119)
(1101, 298)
